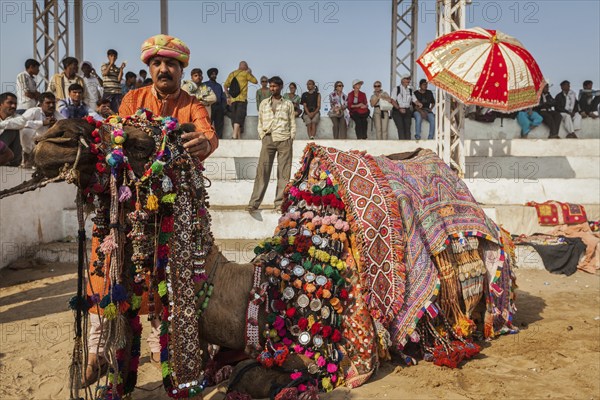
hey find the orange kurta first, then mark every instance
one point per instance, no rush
(186, 109)
(182, 106)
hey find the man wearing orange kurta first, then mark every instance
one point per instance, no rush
(166, 58)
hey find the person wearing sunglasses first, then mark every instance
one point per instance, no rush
(359, 110)
(263, 92)
(340, 117)
(382, 105)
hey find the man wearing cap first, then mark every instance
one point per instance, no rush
(217, 115)
(402, 98)
(166, 58)
(93, 83)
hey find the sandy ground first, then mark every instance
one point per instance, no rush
(556, 355)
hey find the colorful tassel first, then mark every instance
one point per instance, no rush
(124, 194)
(152, 203)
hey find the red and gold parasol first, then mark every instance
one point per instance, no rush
(485, 68)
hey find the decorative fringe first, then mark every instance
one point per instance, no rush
(449, 297)
(76, 369)
(152, 203)
(108, 244)
(124, 194)
(471, 274)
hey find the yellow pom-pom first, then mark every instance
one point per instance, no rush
(327, 386)
(119, 140)
(110, 311)
(152, 203)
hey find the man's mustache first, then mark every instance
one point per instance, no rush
(165, 76)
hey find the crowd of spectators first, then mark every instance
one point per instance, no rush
(29, 113)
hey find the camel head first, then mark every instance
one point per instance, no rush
(68, 137)
(84, 145)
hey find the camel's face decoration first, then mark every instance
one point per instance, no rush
(68, 137)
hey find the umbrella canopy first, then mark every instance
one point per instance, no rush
(485, 68)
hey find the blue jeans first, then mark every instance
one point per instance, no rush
(526, 121)
(419, 120)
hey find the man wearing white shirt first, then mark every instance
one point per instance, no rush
(402, 99)
(568, 106)
(27, 93)
(39, 120)
(93, 83)
(10, 125)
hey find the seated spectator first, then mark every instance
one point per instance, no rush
(130, 83)
(359, 109)
(424, 103)
(527, 120)
(205, 95)
(39, 120)
(339, 114)
(589, 100)
(73, 106)
(10, 125)
(382, 106)
(103, 110)
(551, 117)
(6, 155)
(93, 83)
(311, 101)
(568, 106)
(27, 93)
(59, 84)
(294, 98)
(263, 92)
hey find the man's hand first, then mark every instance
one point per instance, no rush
(123, 65)
(49, 121)
(197, 144)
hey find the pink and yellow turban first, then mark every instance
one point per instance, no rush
(165, 46)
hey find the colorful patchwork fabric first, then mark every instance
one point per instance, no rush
(557, 213)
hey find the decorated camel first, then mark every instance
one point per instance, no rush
(371, 255)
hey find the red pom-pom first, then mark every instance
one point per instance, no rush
(302, 323)
(326, 331)
(336, 336)
(290, 312)
(315, 328)
(344, 294)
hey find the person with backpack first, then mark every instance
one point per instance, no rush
(402, 99)
(236, 88)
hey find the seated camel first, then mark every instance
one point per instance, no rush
(371, 255)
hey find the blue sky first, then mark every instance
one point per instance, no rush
(322, 40)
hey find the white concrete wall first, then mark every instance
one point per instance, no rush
(499, 129)
(31, 218)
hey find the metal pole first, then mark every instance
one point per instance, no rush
(78, 26)
(164, 17)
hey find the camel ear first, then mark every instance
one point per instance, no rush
(188, 127)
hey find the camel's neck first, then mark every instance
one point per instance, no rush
(224, 321)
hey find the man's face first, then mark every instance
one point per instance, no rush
(112, 58)
(405, 82)
(243, 65)
(86, 69)
(165, 73)
(264, 82)
(48, 106)
(565, 87)
(8, 108)
(213, 76)
(104, 110)
(34, 70)
(423, 86)
(546, 88)
(197, 78)
(71, 70)
(131, 80)
(310, 85)
(76, 96)
(588, 86)
(275, 89)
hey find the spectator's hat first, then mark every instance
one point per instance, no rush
(211, 70)
(88, 63)
(165, 46)
(356, 82)
(406, 76)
